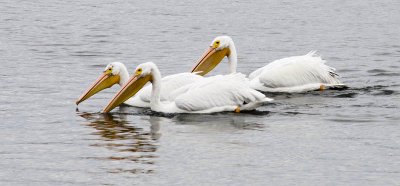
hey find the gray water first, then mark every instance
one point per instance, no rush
(51, 51)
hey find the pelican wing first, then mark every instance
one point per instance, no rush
(295, 71)
(169, 84)
(216, 92)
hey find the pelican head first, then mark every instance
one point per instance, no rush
(220, 47)
(143, 74)
(114, 73)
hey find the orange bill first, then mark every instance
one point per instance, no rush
(127, 91)
(209, 60)
(106, 80)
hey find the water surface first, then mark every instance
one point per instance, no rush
(50, 52)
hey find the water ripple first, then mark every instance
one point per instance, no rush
(121, 136)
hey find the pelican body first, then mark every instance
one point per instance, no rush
(215, 94)
(291, 74)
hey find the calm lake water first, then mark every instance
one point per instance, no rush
(51, 51)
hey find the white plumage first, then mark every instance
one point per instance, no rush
(294, 74)
(169, 84)
(215, 94)
(220, 91)
(291, 74)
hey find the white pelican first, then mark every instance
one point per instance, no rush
(116, 73)
(291, 74)
(208, 95)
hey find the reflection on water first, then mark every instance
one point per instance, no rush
(222, 120)
(128, 141)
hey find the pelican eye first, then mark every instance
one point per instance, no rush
(139, 71)
(108, 71)
(216, 44)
